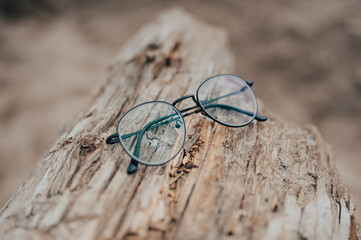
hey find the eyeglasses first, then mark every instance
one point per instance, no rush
(153, 133)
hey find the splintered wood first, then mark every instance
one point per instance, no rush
(271, 180)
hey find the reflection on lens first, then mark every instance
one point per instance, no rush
(152, 133)
(228, 99)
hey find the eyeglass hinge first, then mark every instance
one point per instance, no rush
(250, 83)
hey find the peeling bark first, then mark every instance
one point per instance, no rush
(272, 180)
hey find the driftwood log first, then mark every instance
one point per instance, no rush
(271, 180)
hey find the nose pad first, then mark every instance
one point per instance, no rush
(178, 124)
(203, 113)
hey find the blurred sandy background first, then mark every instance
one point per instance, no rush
(304, 56)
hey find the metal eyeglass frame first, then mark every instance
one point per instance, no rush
(198, 108)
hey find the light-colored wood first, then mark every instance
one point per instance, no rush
(272, 180)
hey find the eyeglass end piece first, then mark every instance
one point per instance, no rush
(250, 83)
(261, 118)
(114, 138)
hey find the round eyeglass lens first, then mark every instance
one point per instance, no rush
(228, 99)
(152, 133)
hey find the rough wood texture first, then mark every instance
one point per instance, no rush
(268, 180)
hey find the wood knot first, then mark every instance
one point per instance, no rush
(229, 233)
(88, 144)
(275, 208)
(153, 46)
(171, 59)
(195, 148)
(149, 59)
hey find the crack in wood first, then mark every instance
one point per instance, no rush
(134, 192)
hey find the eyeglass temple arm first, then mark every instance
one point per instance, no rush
(114, 138)
(133, 166)
(258, 117)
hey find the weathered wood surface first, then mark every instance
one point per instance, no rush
(271, 180)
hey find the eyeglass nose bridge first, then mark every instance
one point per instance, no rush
(185, 97)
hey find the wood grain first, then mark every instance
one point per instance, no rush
(272, 180)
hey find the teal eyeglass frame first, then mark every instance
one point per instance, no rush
(200, 107)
